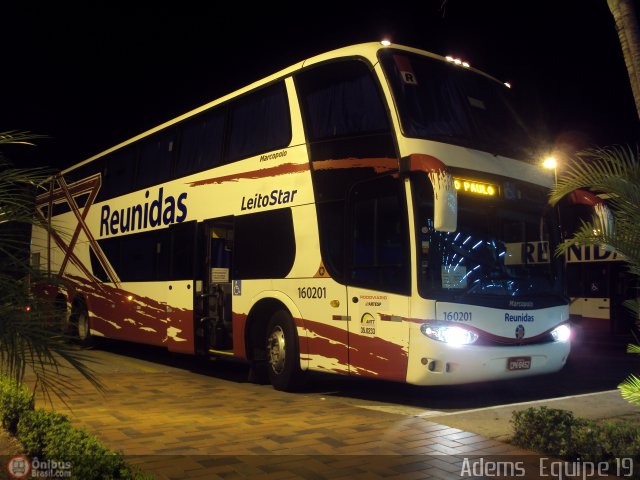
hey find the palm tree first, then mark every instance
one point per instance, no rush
(614, 174)
(28, 343)
(626, 20)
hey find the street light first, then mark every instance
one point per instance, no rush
(551, 162)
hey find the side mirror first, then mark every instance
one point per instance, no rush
(602, 217)
(445, 197)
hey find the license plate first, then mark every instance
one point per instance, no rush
(518, 363)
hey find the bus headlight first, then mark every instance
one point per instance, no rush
(447, 333)
(562, 333)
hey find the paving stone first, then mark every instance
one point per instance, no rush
(188, 425)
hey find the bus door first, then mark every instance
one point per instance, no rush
(213, 289)
(378, 266)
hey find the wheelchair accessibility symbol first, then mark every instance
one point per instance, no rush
(237, 287)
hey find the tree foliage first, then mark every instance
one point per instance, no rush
(32, 344)
(626, 21)
(614, 174)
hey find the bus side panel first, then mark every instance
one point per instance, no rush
(239, 321)
(322, 323)
(591, 316)
(131, 314)
(180, 331)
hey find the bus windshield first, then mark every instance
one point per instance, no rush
(501, 255)
(448, 103)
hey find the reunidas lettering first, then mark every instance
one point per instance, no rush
(161, 211)
(524, 317)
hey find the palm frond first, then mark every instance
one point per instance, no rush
(19, 137)
(613, 172)
(633, 306)
(630, 390)
(32, 344)
(633, 348)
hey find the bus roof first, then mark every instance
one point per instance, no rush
(367, 50)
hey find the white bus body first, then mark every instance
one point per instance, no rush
(349, 214)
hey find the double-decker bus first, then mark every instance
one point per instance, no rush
(368, 211)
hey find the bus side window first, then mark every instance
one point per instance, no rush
(154, 160)
(201, 143)
(341, 99)
(344, 112)
(344, 117)
(140, 257)
(264, 245)
(379, 236)
(258, 123)
(96, 267)
(183, 248)
(118, 173)
(144, 256)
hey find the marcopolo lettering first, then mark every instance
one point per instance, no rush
(276, 197)
(522, 317)
(519, 303)
(160, 211)
(273, 156)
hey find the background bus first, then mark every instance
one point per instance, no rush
(598, 282)
(367, 211)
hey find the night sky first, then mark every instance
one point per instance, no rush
(93, 75)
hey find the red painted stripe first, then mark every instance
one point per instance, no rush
(113, 304)
(365, 355)
(582, 197)
(425, 163)
(238, 324)
(379, 165)
(284, 169)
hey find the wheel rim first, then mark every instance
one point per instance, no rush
(276, 349)
(83, 326)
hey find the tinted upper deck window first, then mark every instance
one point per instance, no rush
(259, 122)
(341, 99)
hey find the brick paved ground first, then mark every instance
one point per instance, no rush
(179, 424)
(180, 419)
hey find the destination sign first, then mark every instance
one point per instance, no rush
(474, 187)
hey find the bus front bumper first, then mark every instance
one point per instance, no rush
(437, 363)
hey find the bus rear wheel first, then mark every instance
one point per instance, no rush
(283, 356)
(80, 320)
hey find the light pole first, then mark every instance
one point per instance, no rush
(551, 162)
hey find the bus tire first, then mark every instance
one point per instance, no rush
(258, 373)
(81, 324)
(283, 355)
(60, 317)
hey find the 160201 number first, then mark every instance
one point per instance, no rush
(312, 292)
(457, 316)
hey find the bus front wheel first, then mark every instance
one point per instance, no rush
(283, 356)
